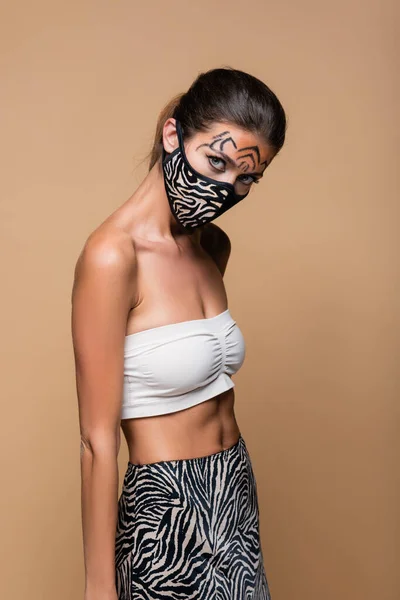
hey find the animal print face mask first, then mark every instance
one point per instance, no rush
(194, 199)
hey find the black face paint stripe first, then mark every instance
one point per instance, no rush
(249, 156)
(255, 148)
(254, 164)
(229, 139)
(215, 137)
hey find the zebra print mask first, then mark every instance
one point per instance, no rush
(194, 199)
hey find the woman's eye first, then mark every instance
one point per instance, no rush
(219, 164)
(250, 179)
(216, 162)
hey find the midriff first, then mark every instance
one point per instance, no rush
(200, 430)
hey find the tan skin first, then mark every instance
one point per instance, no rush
(139, 269)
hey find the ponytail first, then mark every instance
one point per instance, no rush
(167, 112)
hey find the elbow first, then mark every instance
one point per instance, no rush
(100, 444)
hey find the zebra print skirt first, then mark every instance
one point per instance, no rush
(189, 529)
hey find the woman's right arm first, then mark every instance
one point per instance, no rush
(101, 299)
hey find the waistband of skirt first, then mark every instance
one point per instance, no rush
(221, 454)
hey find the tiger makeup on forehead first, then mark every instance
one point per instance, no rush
(246, 157)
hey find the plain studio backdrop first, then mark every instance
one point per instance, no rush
(313, 279)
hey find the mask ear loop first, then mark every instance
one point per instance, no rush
(179, 133)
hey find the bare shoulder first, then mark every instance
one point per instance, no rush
(217, 244)
(103, 293)
(107, 254)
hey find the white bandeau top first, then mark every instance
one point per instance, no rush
(175, 366)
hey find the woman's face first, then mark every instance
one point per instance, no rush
(226, 153)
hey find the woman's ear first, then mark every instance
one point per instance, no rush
(170, 136)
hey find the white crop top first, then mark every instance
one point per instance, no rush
(175, 366)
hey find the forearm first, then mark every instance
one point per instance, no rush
(99, 501)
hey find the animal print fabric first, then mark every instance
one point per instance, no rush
(189, 529)
(193, 199)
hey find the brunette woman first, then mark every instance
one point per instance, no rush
(156, 347)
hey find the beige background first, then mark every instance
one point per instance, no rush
(313, 280)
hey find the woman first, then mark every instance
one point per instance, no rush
(155, 349)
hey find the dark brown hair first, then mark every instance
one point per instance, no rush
(225, 95)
